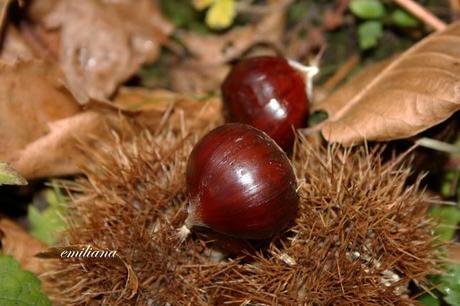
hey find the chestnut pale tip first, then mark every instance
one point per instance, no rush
(183, 232)
(310, 72)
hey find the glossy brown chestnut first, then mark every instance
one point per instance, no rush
(267, 93)
(240, 183)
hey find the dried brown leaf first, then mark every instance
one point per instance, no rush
(39, 9)
(415, 92)
(195, 77)
(218, 49)
(140, 99)
(14, 48)
(339, 99)
(18, 243)
(152, 107)
(105, 42)
(56, 153)
(32, 95)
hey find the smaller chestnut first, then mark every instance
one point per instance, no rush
(267, 93)
(240, 183)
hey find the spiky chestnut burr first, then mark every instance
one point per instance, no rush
(359, 224)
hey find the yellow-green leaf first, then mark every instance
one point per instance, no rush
(221, 14)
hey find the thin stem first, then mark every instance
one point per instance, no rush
(423, 14)
(438, 145)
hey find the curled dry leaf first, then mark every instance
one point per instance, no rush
(104, 42)
(42, 128)
(218, 49)
(339, 99)
(18, 243)
(56, 153)
(32, 94)
(40, 120)
(418, 90)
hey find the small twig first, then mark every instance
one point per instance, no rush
(423, 14)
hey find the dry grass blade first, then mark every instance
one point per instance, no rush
(418, 90)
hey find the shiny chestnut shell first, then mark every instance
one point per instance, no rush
(240, 183)
(267, 93)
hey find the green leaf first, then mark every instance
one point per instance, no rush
(403, 19)
(19, 287)
(429, 300)
(183, 15)
(451, 285)
(47, 224)
(369, 33)
(297, 10)
(448, 218)
(317, 117)
(449, 184)
(9, 176)
(367, 9)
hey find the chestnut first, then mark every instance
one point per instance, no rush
(240, 183)
(267, 93)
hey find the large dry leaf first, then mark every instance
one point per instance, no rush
(340, 98)
(18, 243)
(32, 95)
(218, 49)
(57, 152)
(415, 92)
(104, 42)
